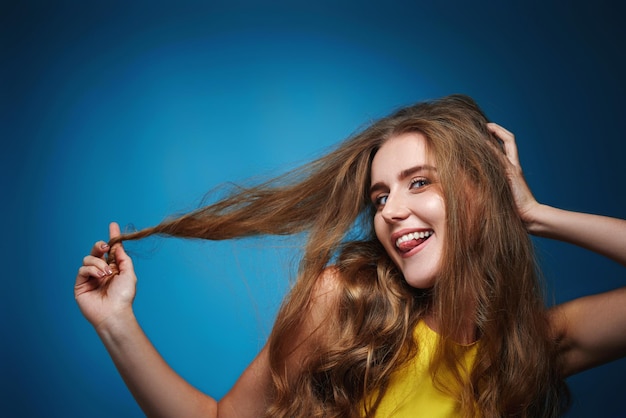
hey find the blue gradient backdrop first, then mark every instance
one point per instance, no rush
(132, 111)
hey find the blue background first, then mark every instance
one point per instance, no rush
(132, 112)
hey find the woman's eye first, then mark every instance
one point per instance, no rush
(419, 182)
(380, 200)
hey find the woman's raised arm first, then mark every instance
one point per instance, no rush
(106, 302)
(600, 234)
(590, 329)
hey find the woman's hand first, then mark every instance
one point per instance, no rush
(100, 293)
(526, 203)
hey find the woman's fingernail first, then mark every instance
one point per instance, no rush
(104, 246)
(109, 271)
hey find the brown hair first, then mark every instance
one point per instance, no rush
(488, 275)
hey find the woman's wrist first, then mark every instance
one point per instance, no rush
(534, 218)
(117, 325)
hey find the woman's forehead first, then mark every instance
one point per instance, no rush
(400, 153)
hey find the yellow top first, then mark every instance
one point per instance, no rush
(411, 393)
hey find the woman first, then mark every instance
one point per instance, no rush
(417, 293)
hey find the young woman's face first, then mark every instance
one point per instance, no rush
(410, 211)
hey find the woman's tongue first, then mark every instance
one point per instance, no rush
(407, 246)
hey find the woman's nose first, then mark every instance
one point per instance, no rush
(395, 209)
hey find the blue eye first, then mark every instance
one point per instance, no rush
(418, 182)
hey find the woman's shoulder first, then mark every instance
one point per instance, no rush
(323, 301)
(329, 280)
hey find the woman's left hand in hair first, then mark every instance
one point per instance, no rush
(524, 199)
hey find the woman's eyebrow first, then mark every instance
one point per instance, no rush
(403, 175)
(414, 170)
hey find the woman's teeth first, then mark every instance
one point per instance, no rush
(413, 236)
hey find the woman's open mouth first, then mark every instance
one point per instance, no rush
(409, 241)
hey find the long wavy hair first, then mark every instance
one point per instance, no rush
(487, 276)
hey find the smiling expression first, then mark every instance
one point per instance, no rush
(410, 211)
